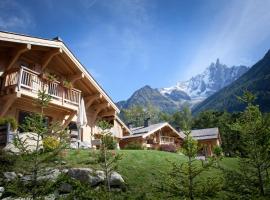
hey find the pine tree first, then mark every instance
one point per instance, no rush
(184, 180)
(33, 154)
(255, 162)
(107, 159)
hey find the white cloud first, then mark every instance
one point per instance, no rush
(14, 16)
(239, 28)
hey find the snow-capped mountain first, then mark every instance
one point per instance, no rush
(190, 92)
(201, 86)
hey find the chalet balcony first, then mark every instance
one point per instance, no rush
(166, 140)
(28, 83)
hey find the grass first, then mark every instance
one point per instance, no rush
(141, 168)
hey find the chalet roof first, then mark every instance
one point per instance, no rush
(123, 124)
(55, 43)
(142, 129)
(205, 134)
(145, 131)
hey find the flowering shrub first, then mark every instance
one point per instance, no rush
(50, 143)
(168, 148)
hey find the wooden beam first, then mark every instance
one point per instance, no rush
(16, 54)
(7, 102)
(68, 120)
(108, 113)
(89, 100)
(48, 57)
(100, 106)
(74, 78)
(97, 109)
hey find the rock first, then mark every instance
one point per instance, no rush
(10, 147)
(86, 175)
(29, 139)
(26, 179)
(2, 190)
(65, 188)
(101, 175)
(64, 171)
(116, 180)
(49, 174)
(81, 174)
(9, 176)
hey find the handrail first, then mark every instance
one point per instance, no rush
(29, 80)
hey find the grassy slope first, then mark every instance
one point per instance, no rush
(141, 168)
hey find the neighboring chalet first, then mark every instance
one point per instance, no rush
(29, 64)
(153, 136)
(207, 140)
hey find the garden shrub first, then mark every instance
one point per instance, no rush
(217, 151)
(9, 120)
(50, 143)
(168, 148)
(134, 146)
(7, 160)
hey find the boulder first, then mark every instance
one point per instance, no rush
(101, 175)
(9, 176)
(49, 174)
(2, 190)
(65, 188)
(86, 175)
(30, 142)
(116, 180)
(10, 147)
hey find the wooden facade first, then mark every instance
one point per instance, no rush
(24, 63)
(153, 136)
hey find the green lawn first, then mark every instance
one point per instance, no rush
(141, 168)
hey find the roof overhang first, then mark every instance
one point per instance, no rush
(25, 39)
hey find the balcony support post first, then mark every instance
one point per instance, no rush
(68, 120)
(16, 54)
(8, 101)
(89, 100)
(74, 78)
(48, 57)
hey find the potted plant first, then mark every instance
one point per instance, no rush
(67, 84)
(48, 77)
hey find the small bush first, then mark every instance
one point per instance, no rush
(50, 143)
(168, 148)
(134, 146)
(217, 151)
(7, 161)
(9, 120)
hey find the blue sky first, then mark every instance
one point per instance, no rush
(127, 44)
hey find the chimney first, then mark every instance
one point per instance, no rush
(130, 125)
(178, 128)
(57, 38)
(146, 122)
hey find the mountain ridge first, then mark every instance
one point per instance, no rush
(256, 80)
(190, 92)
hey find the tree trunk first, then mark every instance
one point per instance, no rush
(190, 180)
(261, 185)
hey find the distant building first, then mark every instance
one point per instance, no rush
(153, 136)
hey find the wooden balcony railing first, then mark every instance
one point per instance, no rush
(166, 140)
(30, 81)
